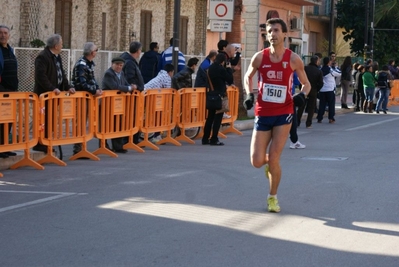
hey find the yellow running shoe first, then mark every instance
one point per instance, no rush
(267, 171)
(272, 205)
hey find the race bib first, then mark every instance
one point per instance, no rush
(274, 93)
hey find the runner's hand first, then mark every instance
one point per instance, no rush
(249, 102)
(299, 99)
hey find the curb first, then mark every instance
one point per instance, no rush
(8, 162)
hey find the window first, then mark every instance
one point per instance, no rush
(63, 16)
(145, 29)
(328, 7)
(183, 34)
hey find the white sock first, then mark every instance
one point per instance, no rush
(274, 196)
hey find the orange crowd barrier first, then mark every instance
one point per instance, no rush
(394, 97)
(117, 115)
(160, 107)
(192, 104)
(17, 117)
(233, 96)
(67, 119)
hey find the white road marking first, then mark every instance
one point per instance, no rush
(371, 125)
(38, 201)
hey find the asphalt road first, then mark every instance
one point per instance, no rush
(198, 205)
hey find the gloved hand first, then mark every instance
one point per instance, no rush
(249, 102)
(299, 99)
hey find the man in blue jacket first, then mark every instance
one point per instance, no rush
(8, 75)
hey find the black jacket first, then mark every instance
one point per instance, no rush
(220, 77)
(315, 77)
(83, 76)
(182, 79)
(149, 65)
(132, 71)
(46, 73)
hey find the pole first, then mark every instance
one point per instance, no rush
(366, 30)
(372, 31)
(176, 37)
(331, 37)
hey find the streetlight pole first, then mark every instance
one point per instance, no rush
(176, 37)
(372, 30)
(366, 30)
(331, 37)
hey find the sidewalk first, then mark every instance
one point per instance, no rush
(240, 125)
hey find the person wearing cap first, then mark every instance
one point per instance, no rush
(114, 79)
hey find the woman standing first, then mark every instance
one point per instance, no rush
(219, 76)
(369, 87)
(346, 79)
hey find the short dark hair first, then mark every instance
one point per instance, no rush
(332, 52)
(385, 67)
(134, 47)
(153, 45)
(171, 41)
(168, 68)
(314, 59)
(326, 60)
(192, 61)
(320, 55)
(277, 21)
(221, 57)
(222, 44)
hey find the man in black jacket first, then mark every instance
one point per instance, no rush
(183, 78)
(149, 63)
(315, 77)
(131, 67)
(50, 75)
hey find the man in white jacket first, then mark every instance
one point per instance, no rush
(327, 92)
(162, 80)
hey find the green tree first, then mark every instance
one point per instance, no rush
(351, 15)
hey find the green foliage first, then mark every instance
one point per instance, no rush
(37, 43)
(351, 15)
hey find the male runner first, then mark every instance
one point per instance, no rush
(274, 104)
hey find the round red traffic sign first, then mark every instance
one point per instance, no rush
(221, 10)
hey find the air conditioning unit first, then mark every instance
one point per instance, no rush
(295, 24)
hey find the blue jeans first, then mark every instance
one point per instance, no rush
(369, 93)
(326, 98)
(384, 94)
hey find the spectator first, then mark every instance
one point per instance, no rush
(315, 77)
(149, 63)
(167, 58)
(355, 67)
(114, 79)
(83, 77)
(219, 76)
(346, 79)
(383, 78)
(232, 53)
(369, 88)
(8, 77)
(183, 78)
(359, 89)
(131, 67)
(162, 80)
(50, 75)
(327, 94)
(201, 79)
(295, 144)
(394, 70)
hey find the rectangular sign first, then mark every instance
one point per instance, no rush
(220, 25)
(221, 9)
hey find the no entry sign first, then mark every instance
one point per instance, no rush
(221, 9)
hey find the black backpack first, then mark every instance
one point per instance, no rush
(382, 80)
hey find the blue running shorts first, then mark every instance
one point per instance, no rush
(266, 123)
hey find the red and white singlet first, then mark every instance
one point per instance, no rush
(274, 86)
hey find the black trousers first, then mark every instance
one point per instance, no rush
(310, 107)
(213, 122)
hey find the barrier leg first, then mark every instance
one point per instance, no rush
(104, 150)
(184, 137)
(132, 145)
(169, 139)
(232, 129)
(84, 153)
(27, 161)
(49, 158)
(146, 142)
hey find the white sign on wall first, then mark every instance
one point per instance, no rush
(220, 25)
(221, 9)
